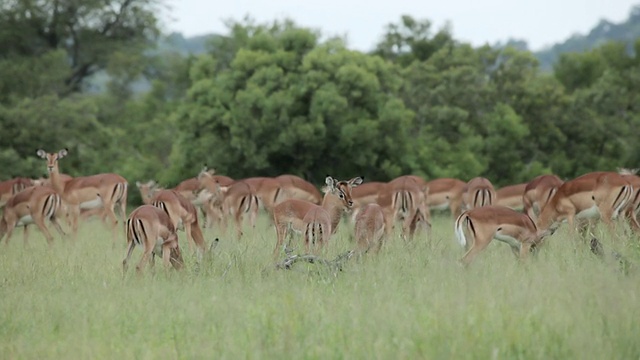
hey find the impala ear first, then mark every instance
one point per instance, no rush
(331, 182)
(41, 153)
(62, 153)
(356, 181)
(138, 184)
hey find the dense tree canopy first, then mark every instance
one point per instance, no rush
(275, 98)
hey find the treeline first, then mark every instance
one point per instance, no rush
(276, 98)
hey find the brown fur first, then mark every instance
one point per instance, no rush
(478, 192)
(145, 226)
(183, 215)
(405, 197)
(370, 228)
(511, 196)
(476, 228)
(296, 187)
(538, 192)
(291, 213)
(605, 190)
(446, 192)
(110, 188)
(41, 203)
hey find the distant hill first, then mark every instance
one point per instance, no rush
(627, 31)
(190, 45)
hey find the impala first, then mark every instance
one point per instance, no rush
(511, 196)
(364, 194)
(593, 195)
(477, 227)
(478, 192)
(296, 187)
(151, 228)
(267, 190)
(369, 228)
(33, 205)
(183, 215)
(291, 213)
(11, 187)
(214, 186)
(235, 199)
(405, 197)
(87, 192)
(538, 192)
(446, 193)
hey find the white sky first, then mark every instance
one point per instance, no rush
(539, 22)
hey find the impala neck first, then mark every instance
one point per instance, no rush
(334, 206)
(56, 181)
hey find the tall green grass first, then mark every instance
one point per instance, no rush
(412, 301)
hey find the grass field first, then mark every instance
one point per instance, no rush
(413, 301)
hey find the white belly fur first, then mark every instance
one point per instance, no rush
(25, 220)
(589, 213)
(93, 204)
(443, 206)
(507, 239)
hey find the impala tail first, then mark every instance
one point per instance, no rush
(461, 223)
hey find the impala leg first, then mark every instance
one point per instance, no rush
(190, 240)
(525, 248)
(43, 228)
(74, 214)
(56, 224)
(197, 237)
(474, 250)
(238, 221)
(145, 258)
(166, 255)
(125, 262)
(281, 231)
(10, 228)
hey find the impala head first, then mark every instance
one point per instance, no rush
(147, 189)
(342, 189)
(52, 159)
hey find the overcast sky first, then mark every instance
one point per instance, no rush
(539, 22)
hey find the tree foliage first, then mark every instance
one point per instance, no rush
(273, 98)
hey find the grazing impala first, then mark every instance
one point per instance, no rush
(538, 192)
(33, 205)
(478, 192)
(446, 193)
(405, 197)
(151, 228)
(215, 186)
(476, 228)
(183, 215)
(296, 187)
(593, 195)
(236, 199)
(267, 190)
(511, 196)
(11, 187)
(369, 228)
(291, 213)
(87, 192)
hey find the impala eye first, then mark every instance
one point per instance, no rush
(341, 196)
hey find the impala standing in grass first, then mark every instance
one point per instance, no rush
(87, 192)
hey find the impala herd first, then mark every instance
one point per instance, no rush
(520, 215)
